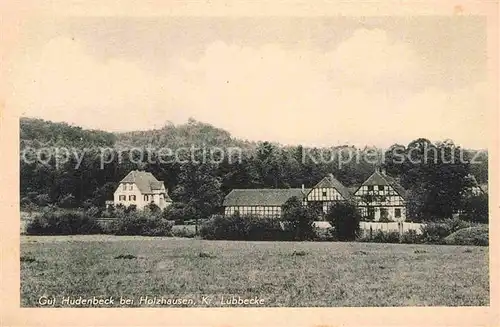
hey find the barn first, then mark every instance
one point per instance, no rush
(260, 202)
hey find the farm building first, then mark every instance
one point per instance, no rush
(141, 188)
(326, 192)
(381, 198)
(269, 202)
(261, 202)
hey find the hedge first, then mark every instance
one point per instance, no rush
(63, 223)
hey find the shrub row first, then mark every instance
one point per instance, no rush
(448, 231)
(435, 232)
(245, 228)
(469, 236)
(140, 223)
(60, 222)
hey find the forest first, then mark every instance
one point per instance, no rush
(435, 183)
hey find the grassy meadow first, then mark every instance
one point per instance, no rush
(302, 274)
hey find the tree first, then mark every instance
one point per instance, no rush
(345, 218)
(153, 208)
(42, 199)
(67, 201)
(298, 219)
(476, 208)
(179, 212)
(130, 208)
(200, 189)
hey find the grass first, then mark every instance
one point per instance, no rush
(305, 274)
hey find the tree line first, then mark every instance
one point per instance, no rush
(436, 184)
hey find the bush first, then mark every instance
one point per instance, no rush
(381, 237)
(345, 218)
(298, 219)
(67, 201)
(140, 223)
(476, 208)
(93, 212)
(469, 236)
(324, 235)
(52, 222)
(248, 228)
(183, 231)
(179, 212)
(435, 232)
(411, 237)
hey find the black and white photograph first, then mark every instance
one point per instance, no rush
(330, 161)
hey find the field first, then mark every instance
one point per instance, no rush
(281, 273)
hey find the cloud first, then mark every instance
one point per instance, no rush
(365, 91)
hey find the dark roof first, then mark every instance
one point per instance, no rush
(378, 178)
(262, 197)
(330, 181)
(352, 189)
(145, 181)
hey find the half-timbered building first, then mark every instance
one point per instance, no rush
(381, 198)
(260, 202)
(328, 191)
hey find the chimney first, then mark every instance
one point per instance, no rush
(303, 188)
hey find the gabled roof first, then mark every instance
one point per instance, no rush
(262, 197)
(378, 178)
(330, 181)
(145, 181)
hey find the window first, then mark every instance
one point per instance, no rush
(131, 197)
(370, 187)
(384, 214)
(381, 187)
(122, 197)
(397, 213)
(324, 193)
(124, 187)
(146, 197)
(131, 187)
(371, 213)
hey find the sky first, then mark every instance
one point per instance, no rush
(316, 81)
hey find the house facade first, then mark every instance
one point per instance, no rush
(141, 188)
(381, 198)
(328, 191)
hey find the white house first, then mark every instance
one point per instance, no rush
(141, 188)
